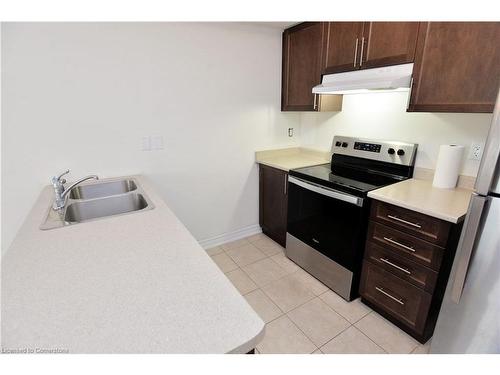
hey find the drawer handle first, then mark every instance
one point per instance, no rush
(398, 300)
(386, 261)
(399, 244)
(416, 225)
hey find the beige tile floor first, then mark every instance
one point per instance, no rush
(301, 314)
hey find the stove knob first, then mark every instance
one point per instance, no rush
(338, 144)
(344, 144)
(391, 151)
(401, 152)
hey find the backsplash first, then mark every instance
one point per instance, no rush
(384, 116)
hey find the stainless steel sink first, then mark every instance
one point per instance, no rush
(98, 201)
(102, 189)
(96, 208)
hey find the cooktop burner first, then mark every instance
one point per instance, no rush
(358, 166)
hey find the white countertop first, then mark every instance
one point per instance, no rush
(291, 158)
(419, 195)
(135, 283)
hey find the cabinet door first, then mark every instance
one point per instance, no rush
(302, 51)
(273, 199)
(457, 67)
(342, 46)
(388, 43)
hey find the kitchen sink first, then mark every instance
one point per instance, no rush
(99, 200)
(102, 189)
(96, 208)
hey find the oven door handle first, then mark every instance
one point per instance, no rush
(326, 191)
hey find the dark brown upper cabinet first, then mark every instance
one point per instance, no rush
(457, 67)
(302, 56)
(360, 45)
(388, 43)
(342, 46)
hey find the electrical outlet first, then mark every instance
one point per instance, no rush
(476, 151)
(290, 132)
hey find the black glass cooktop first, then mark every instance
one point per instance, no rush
(351, 180)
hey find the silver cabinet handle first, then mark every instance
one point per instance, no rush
(399, 244)
(285, 186)
(416, 225)
(398, 300)
(361, 54)
(315, 102)
(356, 51)
(386, 261)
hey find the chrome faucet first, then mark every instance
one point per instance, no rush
(61, 193)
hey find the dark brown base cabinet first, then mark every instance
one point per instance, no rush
(407, 261)
(273, 202)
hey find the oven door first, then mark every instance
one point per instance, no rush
(330, 221)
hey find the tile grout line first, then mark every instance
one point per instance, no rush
(309, 300)
(338, 334)
(338, 312)
(392, 324)
(369, 338)
(296, 326)
(331, 308)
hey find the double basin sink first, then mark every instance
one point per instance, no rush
(99, 200)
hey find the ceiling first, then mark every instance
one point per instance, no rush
(277, 25)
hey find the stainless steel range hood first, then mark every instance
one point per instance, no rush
(390, 78)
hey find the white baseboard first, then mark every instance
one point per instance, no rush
(230, 236)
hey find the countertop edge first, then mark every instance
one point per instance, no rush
(250, 344)
(399, 203)
(289, 158)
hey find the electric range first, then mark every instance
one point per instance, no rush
(328, 207)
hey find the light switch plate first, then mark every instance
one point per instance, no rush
(146, 143)
(157, 142)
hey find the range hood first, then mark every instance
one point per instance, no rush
(390, 78)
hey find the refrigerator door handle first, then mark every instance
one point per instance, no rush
(488, 169)
(466, 245)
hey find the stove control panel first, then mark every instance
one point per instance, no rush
(372, 147)
(389, 152)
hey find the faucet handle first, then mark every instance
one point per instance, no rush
(57, 179)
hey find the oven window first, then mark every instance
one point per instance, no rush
(335, 228)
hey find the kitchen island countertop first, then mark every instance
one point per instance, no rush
(133, 283)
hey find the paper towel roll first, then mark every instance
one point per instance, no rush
(448, 166)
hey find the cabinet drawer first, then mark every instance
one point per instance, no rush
(405, 245)
(412, 272)
(404, 301)
(422, 226)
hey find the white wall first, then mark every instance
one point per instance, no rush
(81, 96)
(384, 116)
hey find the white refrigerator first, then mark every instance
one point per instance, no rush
(469, 319)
